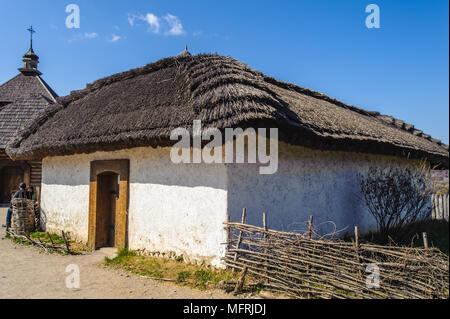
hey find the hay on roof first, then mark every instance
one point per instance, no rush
(142, 106)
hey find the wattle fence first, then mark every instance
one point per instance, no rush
(440, 206)
(308, 266)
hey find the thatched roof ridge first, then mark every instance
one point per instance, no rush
(142, 106)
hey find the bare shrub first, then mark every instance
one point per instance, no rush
(397, 195)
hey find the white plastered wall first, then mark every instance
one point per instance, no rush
(308, 182)
(180, 209)
(176, 209)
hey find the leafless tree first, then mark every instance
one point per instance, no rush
(397, 195)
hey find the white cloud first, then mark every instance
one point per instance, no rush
(81, 36)
(153, 21)
(115, 38)
(169, 24)
(131, 18)
(91, 35)
(176, 28)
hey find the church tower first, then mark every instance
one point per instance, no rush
(20, 99)
(30, 59)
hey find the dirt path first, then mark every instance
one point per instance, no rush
(25, 272)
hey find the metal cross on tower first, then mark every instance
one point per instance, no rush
(31, 30)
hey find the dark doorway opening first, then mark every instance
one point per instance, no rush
(107, 197)
(10, 178)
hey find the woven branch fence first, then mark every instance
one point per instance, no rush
(304, 266)
(23, 217)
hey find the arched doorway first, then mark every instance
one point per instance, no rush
(108, 204)
(10, 178)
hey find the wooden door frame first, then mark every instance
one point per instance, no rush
(122, 168)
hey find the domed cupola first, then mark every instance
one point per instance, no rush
(30, 59)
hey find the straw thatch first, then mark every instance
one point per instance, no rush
(141, 107)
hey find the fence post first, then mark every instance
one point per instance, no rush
(356, 242)
(240, 283)
(433, 207)
(310, 231)
(310, 226)
(229, 239)
(440, 208)
(425, 245)
(265, 244)
(359, 275)
(239, 238)
(425, 239)
(446, 207)
(443, 206)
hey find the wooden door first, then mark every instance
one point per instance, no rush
(106, 210)
(108, 204)
(114, 196)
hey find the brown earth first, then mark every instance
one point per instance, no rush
(27, 272)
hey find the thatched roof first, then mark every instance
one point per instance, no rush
(20, 98)
(141, 107)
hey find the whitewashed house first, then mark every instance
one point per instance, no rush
(108, 177)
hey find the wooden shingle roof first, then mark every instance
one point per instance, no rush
(20, 98)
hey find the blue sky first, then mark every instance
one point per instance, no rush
(401, 69)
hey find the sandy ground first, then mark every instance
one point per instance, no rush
(26, 272)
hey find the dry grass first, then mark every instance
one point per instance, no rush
(76, 248)
(410, 235)
(176, 270)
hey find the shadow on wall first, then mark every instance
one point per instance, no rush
(293, 194)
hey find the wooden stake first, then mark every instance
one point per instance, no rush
(229, 239)
(240, 283)
(244, 210)
(357, 243)
(240, 235)
(310, 230)
(425, 239)
(310, 226)
(359, 276)
(265, 242)
(65, 242)
(407, 272)
(50, 237)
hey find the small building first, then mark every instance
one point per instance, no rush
(108, 177)
(20, 99)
